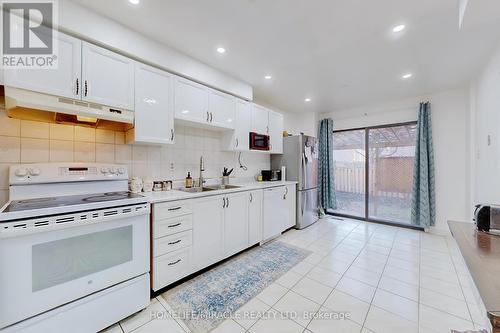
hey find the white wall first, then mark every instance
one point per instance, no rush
(450, 116)
(88, 25)
(295, 123)
(486, 106)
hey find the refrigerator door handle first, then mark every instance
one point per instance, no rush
(303, 204)
(303, 171)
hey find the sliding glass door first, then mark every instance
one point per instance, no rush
(374, 172)
(349, 155)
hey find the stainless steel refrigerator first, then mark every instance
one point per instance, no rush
(300, 156)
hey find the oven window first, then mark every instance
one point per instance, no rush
(68, 259)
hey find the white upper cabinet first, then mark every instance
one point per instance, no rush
(191, 101)
(64, 81)
(235, 223)
(238, 139)
(259, 119)
(199, 104)
(221, 107)
(108, 78)
(276, 132)
(154, 105)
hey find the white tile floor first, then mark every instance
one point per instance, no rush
(388, 279)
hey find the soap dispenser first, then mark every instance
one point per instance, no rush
(189, 180)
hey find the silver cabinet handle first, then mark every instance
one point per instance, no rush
(176, 242)
(175, 262)
(174, 225)
(77, 86)
(267, 129)
(172, 134)
(227, 205)
(251, 197)
(174, 209)
(210, 116)
(237, 142)
(86, 88)
(223, 202)
(286, 193)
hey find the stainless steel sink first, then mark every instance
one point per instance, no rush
(197, 189)
(221, 187)
(208, 188)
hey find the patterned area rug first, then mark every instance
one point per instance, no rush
(207, 300)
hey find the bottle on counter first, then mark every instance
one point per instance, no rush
(189, 180)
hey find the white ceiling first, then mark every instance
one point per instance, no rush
(340, 53)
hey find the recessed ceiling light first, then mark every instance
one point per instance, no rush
(307, 100)
(221, 50)
(268, 77)
(134, 2)
(399, 28)
(407, 76)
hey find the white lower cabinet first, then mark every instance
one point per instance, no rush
(274, 210)
(235, 223)
(189, 235)
(254, 217)
(171, 267)
(208, 231)
(291, 201)
(172, 243)
(172, 238)
(278, 210)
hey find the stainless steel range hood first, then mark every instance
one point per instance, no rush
(26, 104)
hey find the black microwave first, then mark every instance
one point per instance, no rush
(259, 141)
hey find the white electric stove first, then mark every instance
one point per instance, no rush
(74, 248)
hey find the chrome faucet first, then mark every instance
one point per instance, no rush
(202, 168)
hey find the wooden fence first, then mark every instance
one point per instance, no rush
(392, 179)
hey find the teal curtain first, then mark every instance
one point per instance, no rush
(326, 182)
(423, 203)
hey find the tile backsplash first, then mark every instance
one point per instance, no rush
(23, 141)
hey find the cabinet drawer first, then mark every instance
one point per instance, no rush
(171, 209)
(171, 226)
(171, 243)
(171, 267)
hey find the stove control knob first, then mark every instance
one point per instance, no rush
(34, 172)
(21, 172)
(104, 170)
(113, 171)
(121, 171)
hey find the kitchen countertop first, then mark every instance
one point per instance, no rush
(481, 252)
(173, 195)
